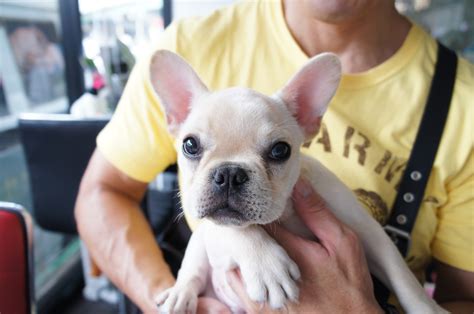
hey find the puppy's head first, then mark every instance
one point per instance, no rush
(238, 150)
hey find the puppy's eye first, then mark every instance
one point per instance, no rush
(191, 147)
(280, 151)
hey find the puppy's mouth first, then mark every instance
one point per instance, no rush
(224, 214)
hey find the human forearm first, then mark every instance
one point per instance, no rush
(454, 288)
(121, 243)
(459, 307)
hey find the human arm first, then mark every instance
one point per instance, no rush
(115, 231)
(132, 149)
(453, 244)
(334, 272)
(454, 288)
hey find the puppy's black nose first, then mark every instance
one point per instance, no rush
(226, 177)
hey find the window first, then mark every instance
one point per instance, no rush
(452, 22)
(32, 79)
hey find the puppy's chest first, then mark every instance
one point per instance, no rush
(221, 245)
(224, 244)
(219, 258)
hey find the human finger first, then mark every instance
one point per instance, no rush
(294, 245)
(211, 306)
(234, 279)
(315, 213)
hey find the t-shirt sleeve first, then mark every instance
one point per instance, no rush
(136, 140)
(453, 243)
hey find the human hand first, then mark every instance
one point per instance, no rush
(208, 305)
(204, 305)
(334, 273)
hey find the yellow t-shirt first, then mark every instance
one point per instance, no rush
(366, 135)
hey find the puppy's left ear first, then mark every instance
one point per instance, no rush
(308, 93)
(176, 85)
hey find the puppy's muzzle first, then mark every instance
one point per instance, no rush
(229, 178)
(229, 187)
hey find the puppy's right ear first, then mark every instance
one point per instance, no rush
(176, 85)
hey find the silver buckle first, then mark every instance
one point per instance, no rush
(395, 233)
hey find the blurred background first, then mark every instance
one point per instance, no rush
(53, 52)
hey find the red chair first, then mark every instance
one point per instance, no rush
(16, 268)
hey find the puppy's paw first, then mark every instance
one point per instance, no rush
(177, 300)
(270, 276)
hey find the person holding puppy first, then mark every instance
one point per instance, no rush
(365, 139)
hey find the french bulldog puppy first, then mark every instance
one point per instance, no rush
(239, 158)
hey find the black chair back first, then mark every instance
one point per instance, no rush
(57, 149)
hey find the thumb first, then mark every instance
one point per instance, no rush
(315, 213)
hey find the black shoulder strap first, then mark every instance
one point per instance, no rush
(417, 172)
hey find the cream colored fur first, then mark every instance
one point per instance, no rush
(238, 126)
